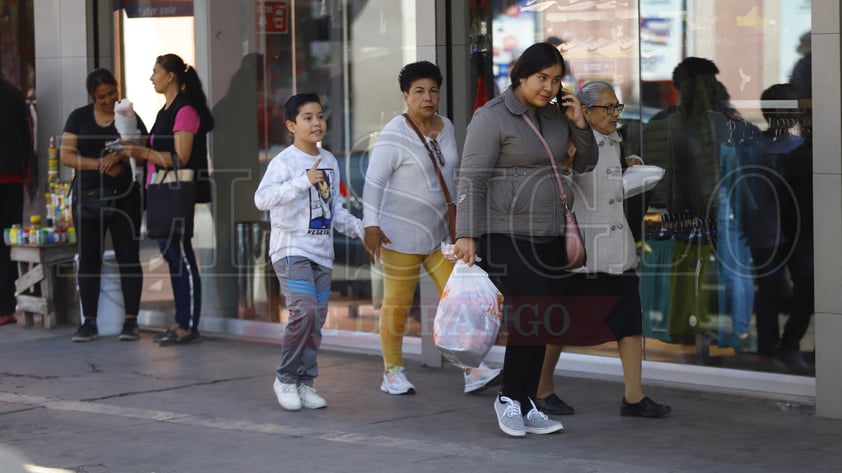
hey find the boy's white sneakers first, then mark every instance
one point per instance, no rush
(287, 395)
(309, 398)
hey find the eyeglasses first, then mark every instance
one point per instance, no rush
(610, 109)
(437, 151)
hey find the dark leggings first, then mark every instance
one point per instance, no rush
(185, 279)
(123, 222)
(529, 274)
(11, 213)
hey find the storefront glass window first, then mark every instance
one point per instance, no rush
(726, 274)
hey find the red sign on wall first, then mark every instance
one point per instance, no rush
(273, 16)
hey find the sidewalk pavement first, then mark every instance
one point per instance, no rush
(134, 407)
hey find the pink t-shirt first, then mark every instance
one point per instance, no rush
(187, 119)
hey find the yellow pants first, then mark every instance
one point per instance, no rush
(400, 278)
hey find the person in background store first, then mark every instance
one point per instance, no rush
(510, 215)
(701, 144)
(180, 133)
(297, 191)
(401, 181)
(610, 273)
(16, 156)
(802, 72)
(106, 200)
(779, 216)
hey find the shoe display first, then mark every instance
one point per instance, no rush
(287, 395)
(509, 417)
(645, 408)
(536, 422)
(9, 319)
(87, 331)
(479, 379)
(130, 331)
(309, 398)
(175, 339)
(395, 382)
(553, 405)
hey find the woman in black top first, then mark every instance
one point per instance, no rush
(106, 199)
(180, 132)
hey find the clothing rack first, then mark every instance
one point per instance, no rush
(682, 226)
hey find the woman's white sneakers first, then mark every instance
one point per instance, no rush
(395, 382)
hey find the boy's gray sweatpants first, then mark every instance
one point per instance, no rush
(306, 287)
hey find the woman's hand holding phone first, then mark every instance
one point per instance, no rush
(569, 105)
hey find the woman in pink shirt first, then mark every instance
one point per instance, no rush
(179, 137)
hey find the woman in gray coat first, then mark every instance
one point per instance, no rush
(510, 214)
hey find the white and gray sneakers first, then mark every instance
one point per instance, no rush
(536, 422)
(513, 422)
(509, 417)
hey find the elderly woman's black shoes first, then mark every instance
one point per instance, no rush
(645, 408)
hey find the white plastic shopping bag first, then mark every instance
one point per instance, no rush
(640, 179)
(468, 316)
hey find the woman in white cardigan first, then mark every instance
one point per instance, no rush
(405, 214)
(608, 281)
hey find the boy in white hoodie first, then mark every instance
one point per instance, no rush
(298, 190)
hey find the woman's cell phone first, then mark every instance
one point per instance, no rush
(559, 101)
(114, 145)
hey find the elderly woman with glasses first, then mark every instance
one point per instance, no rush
(608, 284)
(406, 214)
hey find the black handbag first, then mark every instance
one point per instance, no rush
(97, 203)
(170, 207)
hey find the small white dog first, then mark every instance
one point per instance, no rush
(125, 121)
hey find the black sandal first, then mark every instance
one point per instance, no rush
(173, 338)
(163, 335)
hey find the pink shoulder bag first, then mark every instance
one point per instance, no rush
(574, 245)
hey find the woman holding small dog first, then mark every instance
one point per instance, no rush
(105, 199)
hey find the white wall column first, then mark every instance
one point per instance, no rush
(827, 201)
(62, 62)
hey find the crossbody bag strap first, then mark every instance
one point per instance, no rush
(451, 207)
(432, 157)
(563, 194)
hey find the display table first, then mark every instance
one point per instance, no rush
(46, 277)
